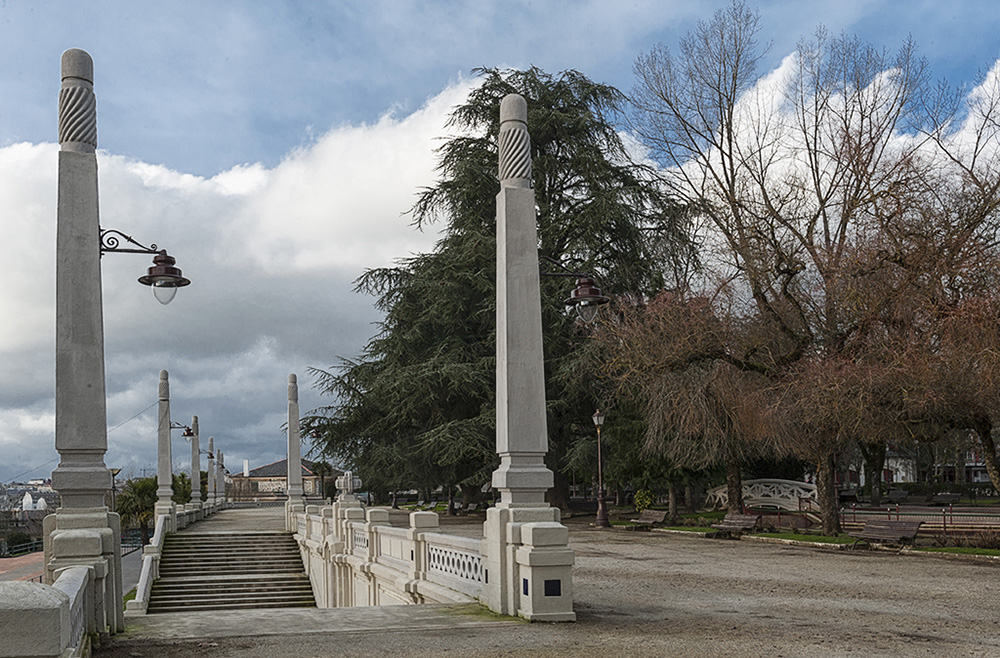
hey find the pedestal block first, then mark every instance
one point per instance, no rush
(545, 569)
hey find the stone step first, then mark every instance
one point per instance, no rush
(236, 577)
(234, 555)
(226, 605)
(169, 572)
(251, 593)
(230, 570)
(178, 541)
(231, 589)
(222, 546)
(251, 550)
(210, 539)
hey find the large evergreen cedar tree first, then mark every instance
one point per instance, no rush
(849, 212)
(417, 408)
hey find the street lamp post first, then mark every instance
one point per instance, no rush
(114, 488)
(602, 511)
(586, 298)
(83, 531)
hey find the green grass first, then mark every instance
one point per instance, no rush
(798, 536)
(717, 515)
(479, 611)
(689, 528)
(128, 597)
(960, 550)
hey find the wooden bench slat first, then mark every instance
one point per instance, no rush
(650, 517)
(738, 522)
(887, 532)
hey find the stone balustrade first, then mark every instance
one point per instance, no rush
(785, 494)
(355, 558)
(49, 621)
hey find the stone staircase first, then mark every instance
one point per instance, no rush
(230, 570)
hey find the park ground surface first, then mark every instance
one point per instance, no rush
(644, 594)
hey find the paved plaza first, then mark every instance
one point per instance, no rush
(640, 594)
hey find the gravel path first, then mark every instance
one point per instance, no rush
(653, 594)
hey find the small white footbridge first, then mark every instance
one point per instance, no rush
(769, 494)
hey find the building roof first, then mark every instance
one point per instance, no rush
(279, 469)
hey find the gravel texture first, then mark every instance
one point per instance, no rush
(655, 594)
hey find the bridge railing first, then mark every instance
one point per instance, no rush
(150, 567)
(455, 563)
(354, 557)
(49, 620)
(787, 494)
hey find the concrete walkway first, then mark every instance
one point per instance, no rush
(27, 567)
(22, 567)
(643, 594)
(242, 519)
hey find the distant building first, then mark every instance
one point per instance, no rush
(270, 482)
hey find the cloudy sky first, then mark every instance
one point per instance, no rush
(274, 149)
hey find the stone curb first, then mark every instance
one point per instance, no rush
(795, 542)
(953, 556)
(686, 533)
(841, 547)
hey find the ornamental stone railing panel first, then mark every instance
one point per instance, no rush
(786, 494)
(455, 562)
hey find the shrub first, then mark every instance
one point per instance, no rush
(984, 539)
(18, 538)
(644, 499)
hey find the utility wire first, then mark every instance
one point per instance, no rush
(30, 470)
(14, 479)
(133, 417)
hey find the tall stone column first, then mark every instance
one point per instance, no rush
(220, 479)
(522, 530)
(81, 413)
(195, 467)
(295, 503)
(82, 531)
(164, 474)
(210, 493)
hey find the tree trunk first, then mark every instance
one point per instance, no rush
(984, 430)
(734, 485)
(960, 463)
(470, 494)
(672, 501)
(826, 490)
(558, 495)
(689, 497)
(874, 456)
(144, 534)
(451, 501)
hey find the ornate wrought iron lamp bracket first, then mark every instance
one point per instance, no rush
(112, 238)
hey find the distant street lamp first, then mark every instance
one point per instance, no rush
(602, 512)
(586, 298)
(188, 432)
(114, 489)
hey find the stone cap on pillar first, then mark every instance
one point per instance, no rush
(514, 143)
(77, 103)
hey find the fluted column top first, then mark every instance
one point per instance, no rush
(514, 143)
(164, 388)
(77, 103)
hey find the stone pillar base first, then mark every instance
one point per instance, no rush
(89, 537)
(509, 560)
